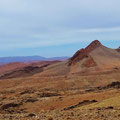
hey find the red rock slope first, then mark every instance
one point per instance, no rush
(94, 57)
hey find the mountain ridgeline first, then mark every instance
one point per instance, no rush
(93, 59)
(6, 60)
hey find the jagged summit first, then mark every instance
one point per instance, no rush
(84, 53)
(93, 45)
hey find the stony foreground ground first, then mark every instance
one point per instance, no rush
(91, 114)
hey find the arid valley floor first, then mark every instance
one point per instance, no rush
(84, 87)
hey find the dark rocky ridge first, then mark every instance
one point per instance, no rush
(84, 53)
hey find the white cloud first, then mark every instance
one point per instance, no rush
(99, 30)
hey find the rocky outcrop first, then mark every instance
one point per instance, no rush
(84, 53)
(89, 62)
(85, 102)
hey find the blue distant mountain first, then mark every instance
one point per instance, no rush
(6, 60)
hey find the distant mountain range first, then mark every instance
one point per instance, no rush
(6, 60)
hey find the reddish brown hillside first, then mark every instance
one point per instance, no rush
(11, 66)
(23, 69)
(95, 57)
(84, 53)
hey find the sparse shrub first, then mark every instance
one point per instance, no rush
(50, 117)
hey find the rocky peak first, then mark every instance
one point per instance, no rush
(93, 45)
(83, 53)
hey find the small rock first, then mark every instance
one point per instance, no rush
(31, 115)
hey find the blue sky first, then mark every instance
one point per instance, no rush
(57, 27)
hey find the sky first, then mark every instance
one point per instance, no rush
(53, 28)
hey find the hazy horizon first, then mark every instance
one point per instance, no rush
(66, 47)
